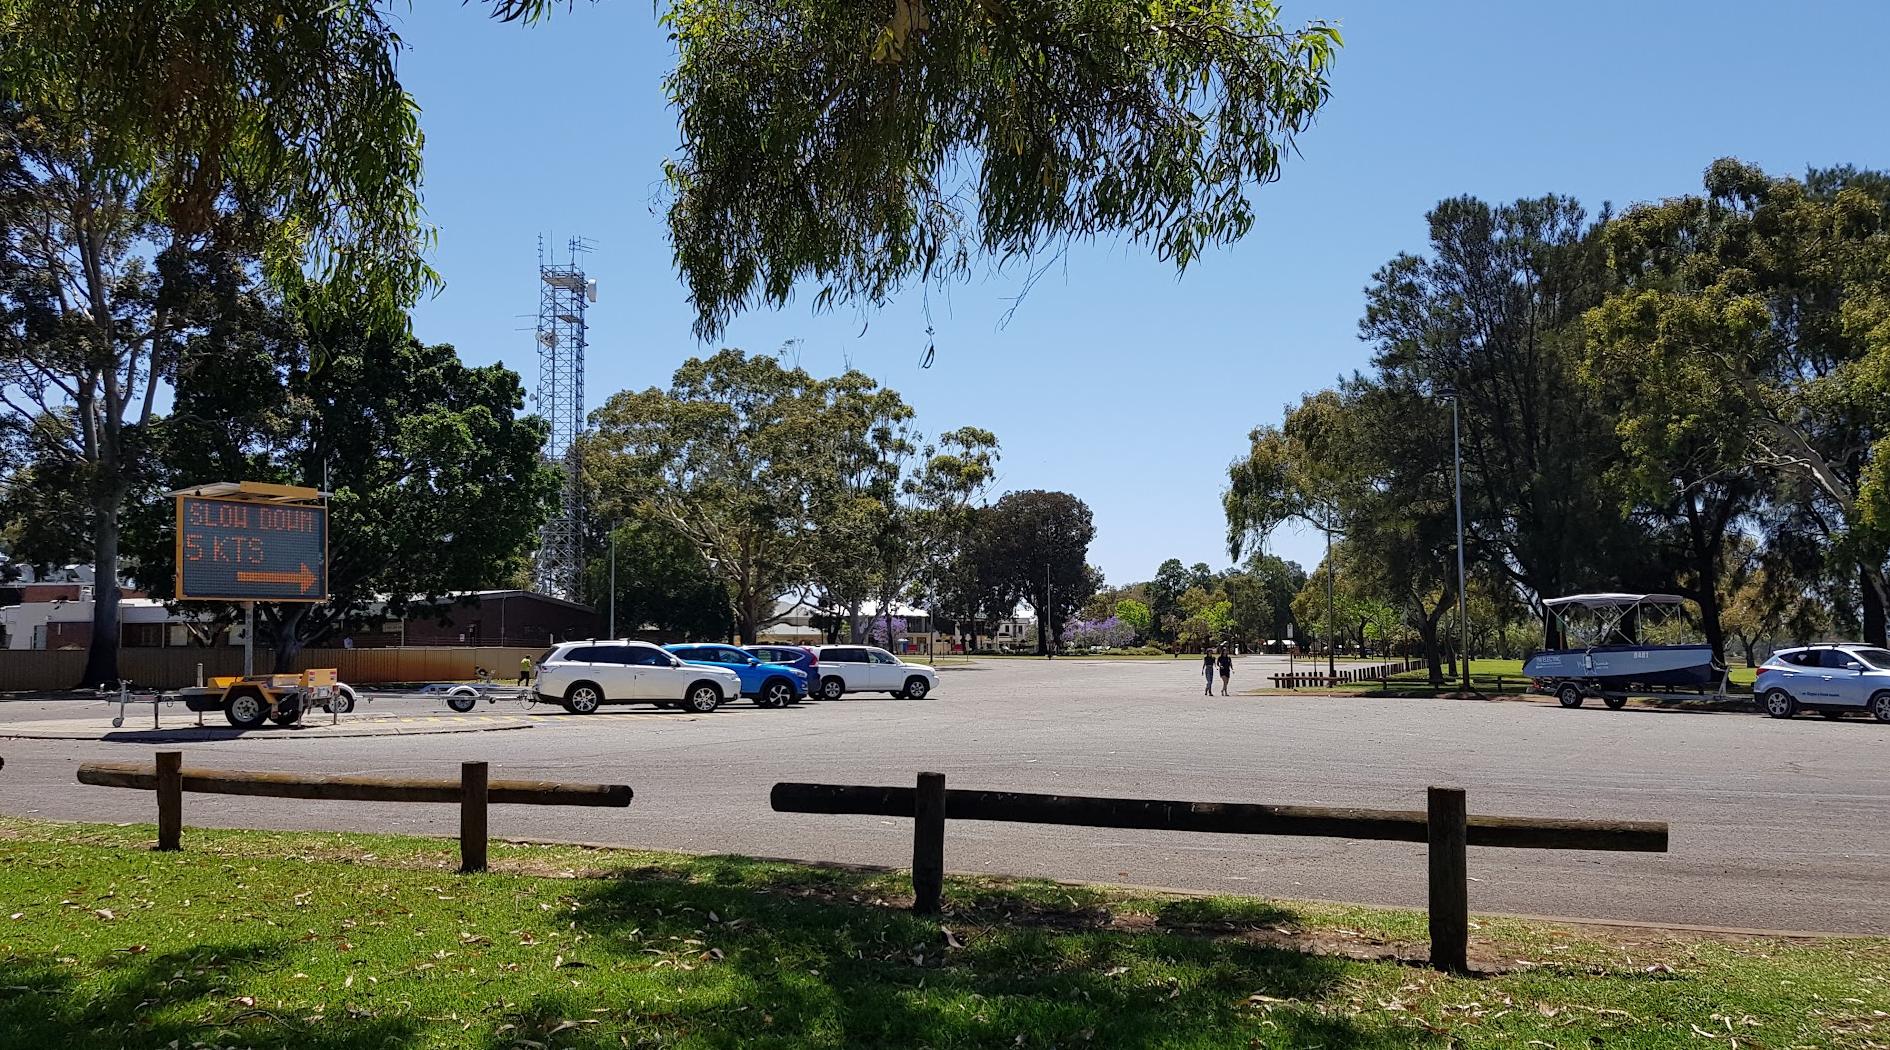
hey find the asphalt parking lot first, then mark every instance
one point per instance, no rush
(1776, 825)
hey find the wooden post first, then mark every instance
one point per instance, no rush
(472, 816)
(1450, 880)
(170, 799)
(928, 844)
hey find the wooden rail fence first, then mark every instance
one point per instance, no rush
(473, 791)
(1343, 675)
(1445, 826)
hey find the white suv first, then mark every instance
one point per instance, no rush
(584, 675)
(869, 669)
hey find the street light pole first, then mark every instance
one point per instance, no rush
(1463, 601)
(613, 584)
(1331, 631)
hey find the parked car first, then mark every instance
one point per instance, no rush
(1832, 680)
(799, 657)
(870, 669)
(585, 675)
(767, 684)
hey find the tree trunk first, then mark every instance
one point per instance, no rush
(1433, 656)
(286, 637)
(1876, 598)
(101, 654)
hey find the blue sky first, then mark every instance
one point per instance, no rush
(1115, 380)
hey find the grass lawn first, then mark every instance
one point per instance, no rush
(321, 940)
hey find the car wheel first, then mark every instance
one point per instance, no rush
(1569, 695)
(245, 709)
(1880, 707)
(916, 688)
(832, 688)
(776, 692)
(703, 698)
(342, 702)
(1615, 703)
(463, 702)
(1779, 704)
(582, 699)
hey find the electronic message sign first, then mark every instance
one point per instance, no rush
(245, 550)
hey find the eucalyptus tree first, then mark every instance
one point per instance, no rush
(730, 458)
(136, 134)
(1492, 315)
(857, 147)
(1752, 333)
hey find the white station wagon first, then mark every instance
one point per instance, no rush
(869, 669)
(585, 675)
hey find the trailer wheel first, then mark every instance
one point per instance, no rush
(462, 701)
(245, 708)
(288, 710)
(342, 702)
(1779, 704)
(1615, 703)
(1569, 695)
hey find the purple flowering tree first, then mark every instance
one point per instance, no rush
(1111, 632)
(876, 631)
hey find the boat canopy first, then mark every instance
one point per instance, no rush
(1584, 621)
(1612, 601)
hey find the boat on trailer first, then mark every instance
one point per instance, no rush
(1611, 645)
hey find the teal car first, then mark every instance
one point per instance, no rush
(768, 685)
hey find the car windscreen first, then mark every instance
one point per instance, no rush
(1878, 659)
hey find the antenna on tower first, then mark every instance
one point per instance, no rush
(562, 335)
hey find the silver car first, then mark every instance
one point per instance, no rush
(1833, 680)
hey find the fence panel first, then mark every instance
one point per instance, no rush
(1444, 826)
(473, 791)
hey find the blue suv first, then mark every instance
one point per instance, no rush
(768, 685)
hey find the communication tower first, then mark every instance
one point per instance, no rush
(563, 293)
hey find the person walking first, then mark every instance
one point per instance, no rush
(1226, 666)
(524, 669)
(1207, 669)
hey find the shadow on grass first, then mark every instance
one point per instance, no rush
(774, 970)
(174, 999)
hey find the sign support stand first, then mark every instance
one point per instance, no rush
(249, 639)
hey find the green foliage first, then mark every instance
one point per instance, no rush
(730, 459)
(1751, 334)
(662, 582)
(1137, 615)
(1032, 546)
(782, 481)
(862, 146)
(436, 478)
(1493, 313)
(291, 108)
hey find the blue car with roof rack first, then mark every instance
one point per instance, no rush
(767, 684)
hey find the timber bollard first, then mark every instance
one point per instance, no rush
(170, 799)
(1448, 828)
(472, 816)
(928, 844)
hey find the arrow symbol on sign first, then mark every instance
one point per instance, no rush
(303, 577)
